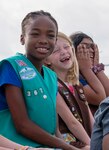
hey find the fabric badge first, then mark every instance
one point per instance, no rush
(68, 137)
(27, 73)
(21, 63)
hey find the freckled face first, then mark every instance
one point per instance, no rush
(62, 56)
(40, 37)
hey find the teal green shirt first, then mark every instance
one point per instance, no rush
(40, 99)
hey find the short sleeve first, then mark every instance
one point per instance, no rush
(105, 123)
(102, 116)
(8, 75)
(82, 81)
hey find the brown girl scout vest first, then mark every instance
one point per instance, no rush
(79, 108)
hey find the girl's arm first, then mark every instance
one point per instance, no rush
(91, 118)
(101, 75)
(94, 90)
(104, 80)
(25, 126)
(58, 133)
(3, 148)
(72, 123)
(6, 143)
(105, 144)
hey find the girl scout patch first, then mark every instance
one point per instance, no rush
(27, 73)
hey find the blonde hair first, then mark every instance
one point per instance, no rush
(73, 73)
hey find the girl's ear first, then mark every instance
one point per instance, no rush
(22, 40)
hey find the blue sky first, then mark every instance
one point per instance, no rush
(89, 16)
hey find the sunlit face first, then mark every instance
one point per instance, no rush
(89, 45)
(39, 38)
(62, 56)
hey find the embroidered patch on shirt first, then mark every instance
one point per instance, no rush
(21, 63)
(27, 73)
(68, 137)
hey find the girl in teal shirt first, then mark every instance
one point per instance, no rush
(30, 117)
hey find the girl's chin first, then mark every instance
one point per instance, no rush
(67, 67)
(68, 64)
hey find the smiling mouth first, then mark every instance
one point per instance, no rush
(65, 59)
(42, 50)
(92, 56)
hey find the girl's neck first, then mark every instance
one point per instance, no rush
(62, 75)
(38, 64)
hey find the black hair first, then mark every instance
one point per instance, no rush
(76, 38)
(33, 15)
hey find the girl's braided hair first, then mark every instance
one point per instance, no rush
(33, 15)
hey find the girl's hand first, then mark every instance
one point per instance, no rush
(42, 149)
(96, 56)
(83, 57)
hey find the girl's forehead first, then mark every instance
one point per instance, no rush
(61, 40)
(43, 21)
(87, 40)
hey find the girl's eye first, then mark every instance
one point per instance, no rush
(51, 36)
(34, 34)
(66, 47)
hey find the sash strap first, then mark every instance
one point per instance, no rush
(77, 104)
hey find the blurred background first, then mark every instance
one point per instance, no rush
(89, 16)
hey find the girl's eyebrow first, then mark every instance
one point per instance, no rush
(37, 29)
(66, 44)
(86, 43)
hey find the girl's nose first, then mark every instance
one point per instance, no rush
(63, 51)
(43, 40)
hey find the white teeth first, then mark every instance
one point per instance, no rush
(91, 56)
(65, 58)
(42, 49)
